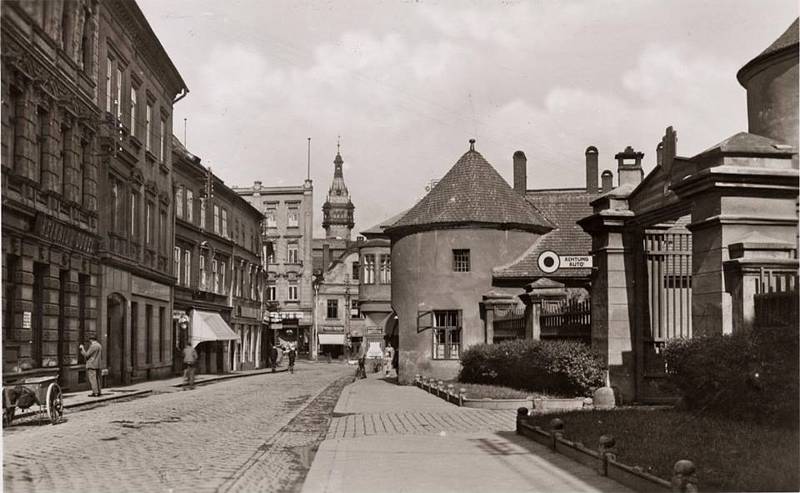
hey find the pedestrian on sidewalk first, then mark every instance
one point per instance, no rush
(189, 362)
(273, 357)
(388, 358)
(292, 356)
(93, 356)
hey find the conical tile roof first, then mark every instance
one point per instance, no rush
(472, 192)
(788, 40)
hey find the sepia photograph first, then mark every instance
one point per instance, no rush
(403, 246)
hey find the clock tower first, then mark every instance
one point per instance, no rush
(337, 212)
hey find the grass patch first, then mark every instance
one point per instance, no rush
(729, 455)
(483, 391)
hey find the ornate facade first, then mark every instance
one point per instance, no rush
(137, 87)
(51, 149)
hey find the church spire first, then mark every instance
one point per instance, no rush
(337, 212)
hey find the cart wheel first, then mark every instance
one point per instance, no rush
(55, 406)
(8, 415)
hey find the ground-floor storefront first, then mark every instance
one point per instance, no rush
(248, 353)
(136, 335)
(50, 299)
(207, 327)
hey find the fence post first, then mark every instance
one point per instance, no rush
(556, 430)
(461, 394)
(684, 477)
(522, 414)
(607, 449)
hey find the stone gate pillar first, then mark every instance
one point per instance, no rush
(744, 185)
(613, 319)
(536, 293)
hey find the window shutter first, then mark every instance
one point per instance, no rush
(424, 320)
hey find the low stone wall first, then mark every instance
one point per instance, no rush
(603, 460)
(449, 393)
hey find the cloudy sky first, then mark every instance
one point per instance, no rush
(407, 83)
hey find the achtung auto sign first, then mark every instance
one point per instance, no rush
(550, 261)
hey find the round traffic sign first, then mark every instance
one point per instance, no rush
(549, 261)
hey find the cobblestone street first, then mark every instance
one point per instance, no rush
(249, 434)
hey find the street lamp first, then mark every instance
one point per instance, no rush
(347, 309)
(316, 281)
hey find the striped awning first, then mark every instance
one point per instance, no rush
(209, 326)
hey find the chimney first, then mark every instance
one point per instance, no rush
(520, 173)
(607, 179)
(629, 167)
(591, 169)
(257, 185)
(326, 256)
(660, 154)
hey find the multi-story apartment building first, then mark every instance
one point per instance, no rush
(287, 229)
(218, 268)
(339, 322)
(50, 154)
(137, 87)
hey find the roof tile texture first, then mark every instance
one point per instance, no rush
(564, 208)
(473, 192)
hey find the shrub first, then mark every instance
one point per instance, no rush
(555, 367)
(750, 376)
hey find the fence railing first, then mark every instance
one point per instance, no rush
(569, 319)
(776, 300)
(509, 324)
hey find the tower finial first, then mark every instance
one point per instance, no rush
(471, 144)
(338, 143)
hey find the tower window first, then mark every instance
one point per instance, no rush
(461, 261)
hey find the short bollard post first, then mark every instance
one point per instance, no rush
(417, 379)
(556, 430)
(461, 395)
(439, 388)
(450, 391)
(684, 477)
(607, 450)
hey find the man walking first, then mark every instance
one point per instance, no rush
(292, 356)
(93, 356)
(189, 361)
(273, 357)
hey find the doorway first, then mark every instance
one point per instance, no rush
(115, 321)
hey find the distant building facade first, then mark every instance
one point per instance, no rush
(287, 230)
(340, 325)
(375, 287)
(217, 261)
(51, 151)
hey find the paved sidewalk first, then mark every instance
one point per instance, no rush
(392, 438)
(73, 400)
